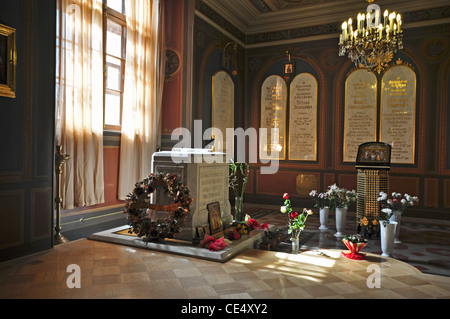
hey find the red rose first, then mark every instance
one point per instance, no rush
(294, 215)
(265, 226)
(253, 223)
(233, 235)
(285, 196)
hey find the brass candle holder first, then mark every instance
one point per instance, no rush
(60, 159)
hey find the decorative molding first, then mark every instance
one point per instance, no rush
(444, 140)
(41, 212)
(261, 6)
(431, 188)
(287, 20)
(435, 49)
(220, 21)
(13, 230)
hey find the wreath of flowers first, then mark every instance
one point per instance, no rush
(137, 207)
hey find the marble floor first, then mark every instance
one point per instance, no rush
(111, 271)
(425, 243)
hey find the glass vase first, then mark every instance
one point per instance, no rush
(238, 208)
(295, 245)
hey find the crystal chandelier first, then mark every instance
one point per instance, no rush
(375, 39)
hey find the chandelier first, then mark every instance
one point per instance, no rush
(375, 39)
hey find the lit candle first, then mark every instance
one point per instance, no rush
(391, 20)
(380, 31)
(395, 28)
(344, 30)
(368, 20)
(385, 17)
(350, 26)
(387, 32)
(358, 25)
(399, 21)
(363, 17)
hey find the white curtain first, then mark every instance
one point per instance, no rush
(144, 80)
(79, 100)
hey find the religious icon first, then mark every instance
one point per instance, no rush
(215, 218)
(374, 154)
(7, 61)
(289, 68)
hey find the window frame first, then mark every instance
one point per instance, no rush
(119, 18)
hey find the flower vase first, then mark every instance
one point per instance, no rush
(238, 208)
(323, 213)
(396, 217)
(295, 245)
(387, 233)
(341, 219)
(355, 249)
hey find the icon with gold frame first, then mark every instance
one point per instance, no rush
(7, 61)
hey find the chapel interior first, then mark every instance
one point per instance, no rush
(257, 48)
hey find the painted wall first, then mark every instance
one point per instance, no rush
(426, 49)
(26, 132)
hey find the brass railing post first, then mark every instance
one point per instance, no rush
(60, 159)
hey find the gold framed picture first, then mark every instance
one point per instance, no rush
(7, 61)
(215, 218)
(289, 68)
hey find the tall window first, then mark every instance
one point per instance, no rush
(114, 68)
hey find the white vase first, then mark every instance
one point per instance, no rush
(396, 217)
(341, 219)
(323, 213)
(387, 233)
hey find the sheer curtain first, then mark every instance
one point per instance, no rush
(144, 79)
(79, 100)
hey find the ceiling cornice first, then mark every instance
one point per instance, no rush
(249, 20)
(321, 20)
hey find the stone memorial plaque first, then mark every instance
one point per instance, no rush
(222, 110)
(303, 118)
(398, 113)
(360, 119)
(213, 186)
(273, 116)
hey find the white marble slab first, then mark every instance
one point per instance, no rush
(183, 248)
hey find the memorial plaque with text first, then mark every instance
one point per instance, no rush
(273, 115)
(222, 110)
(398, 113)
(360, 120)
(303, 118)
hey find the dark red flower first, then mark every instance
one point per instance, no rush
(253, 223)
(233, 235)
(285, 196)
(294, 215)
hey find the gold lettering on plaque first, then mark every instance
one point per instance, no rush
(222, 110)
(273, 116)
(303, 118)
(398, 113)
(360, 119)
